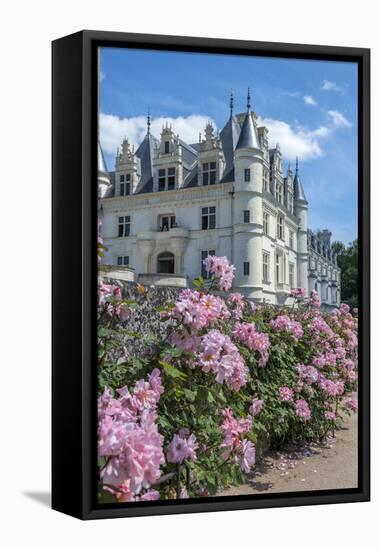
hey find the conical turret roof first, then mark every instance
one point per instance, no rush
(299, 194)
(102, 169)
(248, 136)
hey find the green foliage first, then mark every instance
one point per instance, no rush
(347, 259)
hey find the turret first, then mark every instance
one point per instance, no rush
(247, 209)
(301, 212)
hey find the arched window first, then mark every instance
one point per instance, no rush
(166, 263)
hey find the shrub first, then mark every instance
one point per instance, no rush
(182, 419)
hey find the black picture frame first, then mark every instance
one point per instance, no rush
(74, 272)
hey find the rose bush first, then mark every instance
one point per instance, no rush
(182, 419)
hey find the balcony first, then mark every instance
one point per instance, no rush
(163, 279)
(171, 233)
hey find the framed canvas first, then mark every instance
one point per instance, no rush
(210, 274)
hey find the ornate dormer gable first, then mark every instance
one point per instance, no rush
(288, 189)
(211, 159)
(169, 143)
(168, 173)
(263, 141)
(127, 170)
(276, 174)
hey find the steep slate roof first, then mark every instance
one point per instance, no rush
(189, 154)
(145, 153)
(238, 132)
(229, 137)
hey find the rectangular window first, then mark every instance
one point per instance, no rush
(265, 180)
(161, 179)
(122, 260)
(280, 228)
(128, 180)
(246, 216)
(279, 192)
(246, 268)
(122, 178)
(171, 178)
(292, 275)
(266, 221)
(266, 267)
(124, 226)
(277, 268)
(208, 217)
(291, 239)
(166, 222)
(205, 254)
(247, 174)
(122, 189)
(209, 173)
(166, 147)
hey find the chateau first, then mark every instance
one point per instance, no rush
(169, 204)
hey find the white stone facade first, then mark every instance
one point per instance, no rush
(168, 204)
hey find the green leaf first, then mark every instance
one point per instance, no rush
(190, 395)
(172, 371)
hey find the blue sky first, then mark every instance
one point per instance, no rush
(310, 108)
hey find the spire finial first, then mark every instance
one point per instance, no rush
(231, 103)
(248, 99)
(297, 165)
(148, 120)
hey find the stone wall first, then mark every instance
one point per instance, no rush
(145, 319)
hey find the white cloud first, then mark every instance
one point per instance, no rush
(339, 119)
(298, 141)
(309, 100)
(294, 140)
(113, 129)
(330, 86)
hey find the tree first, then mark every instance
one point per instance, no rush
(347, 260)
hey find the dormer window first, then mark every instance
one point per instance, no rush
(166, 176)
(209, 173)
(125, 184)
(171, 178)
(166, 147)
(161, 179)
(128, 179)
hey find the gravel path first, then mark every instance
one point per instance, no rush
(307, 468)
